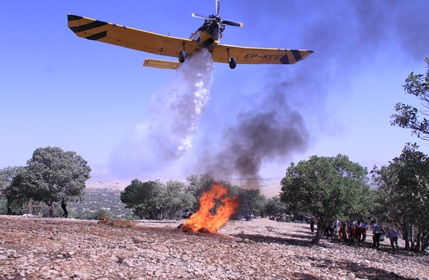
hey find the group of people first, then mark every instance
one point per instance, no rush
(352, 230)
(356, 231)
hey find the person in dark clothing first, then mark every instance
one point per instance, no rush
(312, 225)
(393, 236)
(64, 207)
(329, 230)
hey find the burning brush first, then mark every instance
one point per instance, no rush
(204, 220)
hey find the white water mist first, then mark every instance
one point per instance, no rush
(167, 132)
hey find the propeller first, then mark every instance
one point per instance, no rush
(232, 23)
(217, 18)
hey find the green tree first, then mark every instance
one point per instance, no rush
(173, 199)
(275, 206)
(51, 176)
(198, 184)
(407, 116)
(139, 196)
(251, 202)
(404, 183)
(154, 200)
(327, 188)
(12, 204)
(6, 176)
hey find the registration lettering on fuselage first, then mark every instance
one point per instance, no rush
(266, 57)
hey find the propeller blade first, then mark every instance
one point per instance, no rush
(200, 16)
(217, 7)
(233, 23)
(218, 33)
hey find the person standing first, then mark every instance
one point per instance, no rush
(393, 236)
(377, 231)
(362, 229)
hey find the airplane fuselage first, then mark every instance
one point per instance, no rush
(208, 34)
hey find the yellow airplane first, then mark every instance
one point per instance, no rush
(207, 36)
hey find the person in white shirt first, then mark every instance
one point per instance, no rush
(362, 231)
(377, 231)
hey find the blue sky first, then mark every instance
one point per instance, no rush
(60, 90)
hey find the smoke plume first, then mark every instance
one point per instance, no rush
(347, 36)
(172, 122)
(271, 131)
(287, 112)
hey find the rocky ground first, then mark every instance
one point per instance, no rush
(37, 248)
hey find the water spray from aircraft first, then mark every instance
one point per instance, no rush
(172, 122)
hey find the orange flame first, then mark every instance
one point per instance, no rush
(203, 220)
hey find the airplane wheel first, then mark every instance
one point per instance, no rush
(232, 62)
(182, 56)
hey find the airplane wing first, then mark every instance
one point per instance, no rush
(129, 37)
(248, 55)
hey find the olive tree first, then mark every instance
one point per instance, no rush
(404, 183)
(326, 188)
(138, 196)
(274, 206)
(172, 199)
(51, 176)
(250, 202)
(408, 116)
(155, 200)
(6, 177)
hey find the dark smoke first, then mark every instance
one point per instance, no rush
(347, 37)
(274, 132)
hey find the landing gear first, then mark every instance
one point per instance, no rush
(232, 62)
(182, 56)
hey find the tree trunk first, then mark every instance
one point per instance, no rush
(9, 209)
(417, 247)
(319, 232)
(424, 240)
(9, 202)
(406, 235)
(51, 209)
(29, 207)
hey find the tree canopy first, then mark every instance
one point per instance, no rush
(154, 200)
(326, 188)
(408, 116)
(6, 177)
(274, 206)
(250, 202)
(51, 176)
(404, 183)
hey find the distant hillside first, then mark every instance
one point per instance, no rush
(269, 186)
(97, 199)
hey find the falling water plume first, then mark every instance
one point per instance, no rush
(175, 112)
